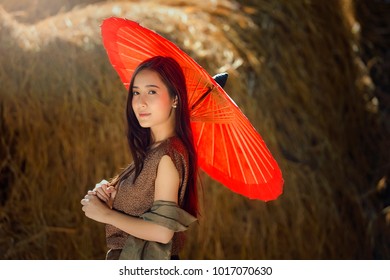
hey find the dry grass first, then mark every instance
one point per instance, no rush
(292, 71)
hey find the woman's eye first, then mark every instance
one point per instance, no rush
(152, 92)
(135, 93)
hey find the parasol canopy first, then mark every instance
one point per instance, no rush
(229, 148)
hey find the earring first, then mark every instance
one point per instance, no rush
(174, 105)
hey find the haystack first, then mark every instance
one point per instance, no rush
(302, 71)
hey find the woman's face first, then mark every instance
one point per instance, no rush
(152, 103)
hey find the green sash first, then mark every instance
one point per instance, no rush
(164, 213)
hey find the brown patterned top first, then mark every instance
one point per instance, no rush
(136, 199)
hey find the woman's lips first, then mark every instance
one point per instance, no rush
(143, 115)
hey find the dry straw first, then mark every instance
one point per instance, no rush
(293, 71)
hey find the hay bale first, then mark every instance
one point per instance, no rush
(292, 70)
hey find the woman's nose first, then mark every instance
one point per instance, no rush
(141, 101)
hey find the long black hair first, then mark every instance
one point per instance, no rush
(139, 138)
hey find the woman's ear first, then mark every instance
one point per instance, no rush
(174, 105)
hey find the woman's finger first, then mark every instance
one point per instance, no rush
(102, 195)
(105, 199)
(102, 190)
(84, 201)
(98, 185)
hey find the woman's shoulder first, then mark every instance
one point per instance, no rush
(174, 148)
(173, 144)
(176, 144)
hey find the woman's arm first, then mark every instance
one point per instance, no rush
(166, 188)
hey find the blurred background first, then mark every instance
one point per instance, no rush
(312, 76)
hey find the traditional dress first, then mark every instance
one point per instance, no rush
(137, 199)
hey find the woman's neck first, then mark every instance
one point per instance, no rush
(157, 143)
(161, 136)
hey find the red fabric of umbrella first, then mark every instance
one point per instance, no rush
(228, 146)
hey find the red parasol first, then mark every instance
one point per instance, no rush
(229, 148)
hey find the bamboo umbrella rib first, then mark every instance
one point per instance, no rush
(226, 154)
(261, 152)
(265, 154)
(230, 132)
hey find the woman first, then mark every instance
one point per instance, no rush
(148, 205)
